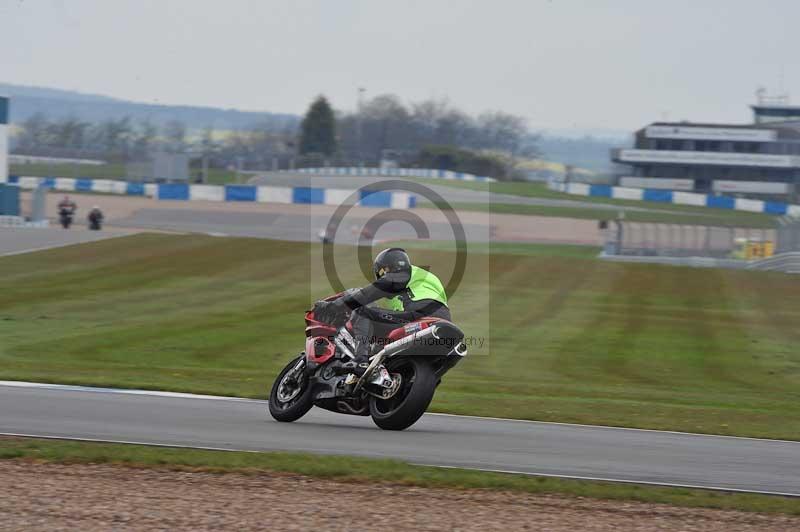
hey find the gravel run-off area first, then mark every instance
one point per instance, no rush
(42, 496)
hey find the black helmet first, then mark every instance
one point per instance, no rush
(391, 260)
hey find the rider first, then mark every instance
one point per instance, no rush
(412, 293)
(95, 218)
(67, 206)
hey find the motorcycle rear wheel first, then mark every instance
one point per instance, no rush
(289, 401)
(412, 399)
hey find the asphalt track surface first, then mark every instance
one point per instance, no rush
(14, 241)
(640, 456)
(300, 226)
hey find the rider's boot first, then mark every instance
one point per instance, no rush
(360, 363)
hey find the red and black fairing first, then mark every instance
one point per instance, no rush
(319, 346)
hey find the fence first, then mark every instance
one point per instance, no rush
(394, 172)
(677, 240)
(238, 193)
(788, 235)
(677, 198)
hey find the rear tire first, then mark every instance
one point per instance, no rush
(296, 406)
(411, 400)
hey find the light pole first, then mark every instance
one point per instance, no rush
(359, 110)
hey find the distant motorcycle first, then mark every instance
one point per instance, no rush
(95, 219)
(396, 388)
(66, 216)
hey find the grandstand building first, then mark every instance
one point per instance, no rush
(761, 159)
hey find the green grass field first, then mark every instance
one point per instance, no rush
(569, 338)
(540, 190)
(347, 469)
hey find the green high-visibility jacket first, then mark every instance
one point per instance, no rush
(423, 285)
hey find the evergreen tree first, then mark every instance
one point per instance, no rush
(318, 130)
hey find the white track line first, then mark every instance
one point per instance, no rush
(56, 246)
(180, 395)
(124, 391)
(467, 468)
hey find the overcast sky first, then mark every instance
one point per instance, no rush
(562, 64)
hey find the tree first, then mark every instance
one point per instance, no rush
(318, 129)
(34, 134)
(501, 131)
(112, 137)
(144, 138)
(460, 160)
(175, 134)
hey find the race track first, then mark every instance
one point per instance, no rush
(502, 445)
(18, 240)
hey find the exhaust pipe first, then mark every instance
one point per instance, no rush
(399, 345)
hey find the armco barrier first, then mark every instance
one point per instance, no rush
(677, 198)
(356, 171)
(237, 193)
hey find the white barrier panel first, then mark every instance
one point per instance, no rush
(793, 210)
(65, 183)
(118, 187)
(401, 200)
(658, 183)
(207, 193)
(28, 182)
(274, 195)
(580, 189)
(103, 185)
(151, 190)
(627, 193)
(337, 196)
(12, 221)
(752, 187)
(689, 198)
(742, 204)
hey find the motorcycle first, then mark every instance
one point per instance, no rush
(65, 217)
(396, 388)
(95, 220)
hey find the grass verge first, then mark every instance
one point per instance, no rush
(567, 338)
(348, 469)
(540, 190)
(717, 217)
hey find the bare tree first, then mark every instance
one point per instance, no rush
(175, 136)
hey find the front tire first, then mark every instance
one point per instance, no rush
(411, 400)
(290, 397)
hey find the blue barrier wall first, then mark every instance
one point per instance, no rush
(664, 196)
(173, 191)
(9, 200)
(246, 193)
(677, 198)
(240, 193)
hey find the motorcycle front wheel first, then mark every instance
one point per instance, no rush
(406, 406)
(290, 397)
